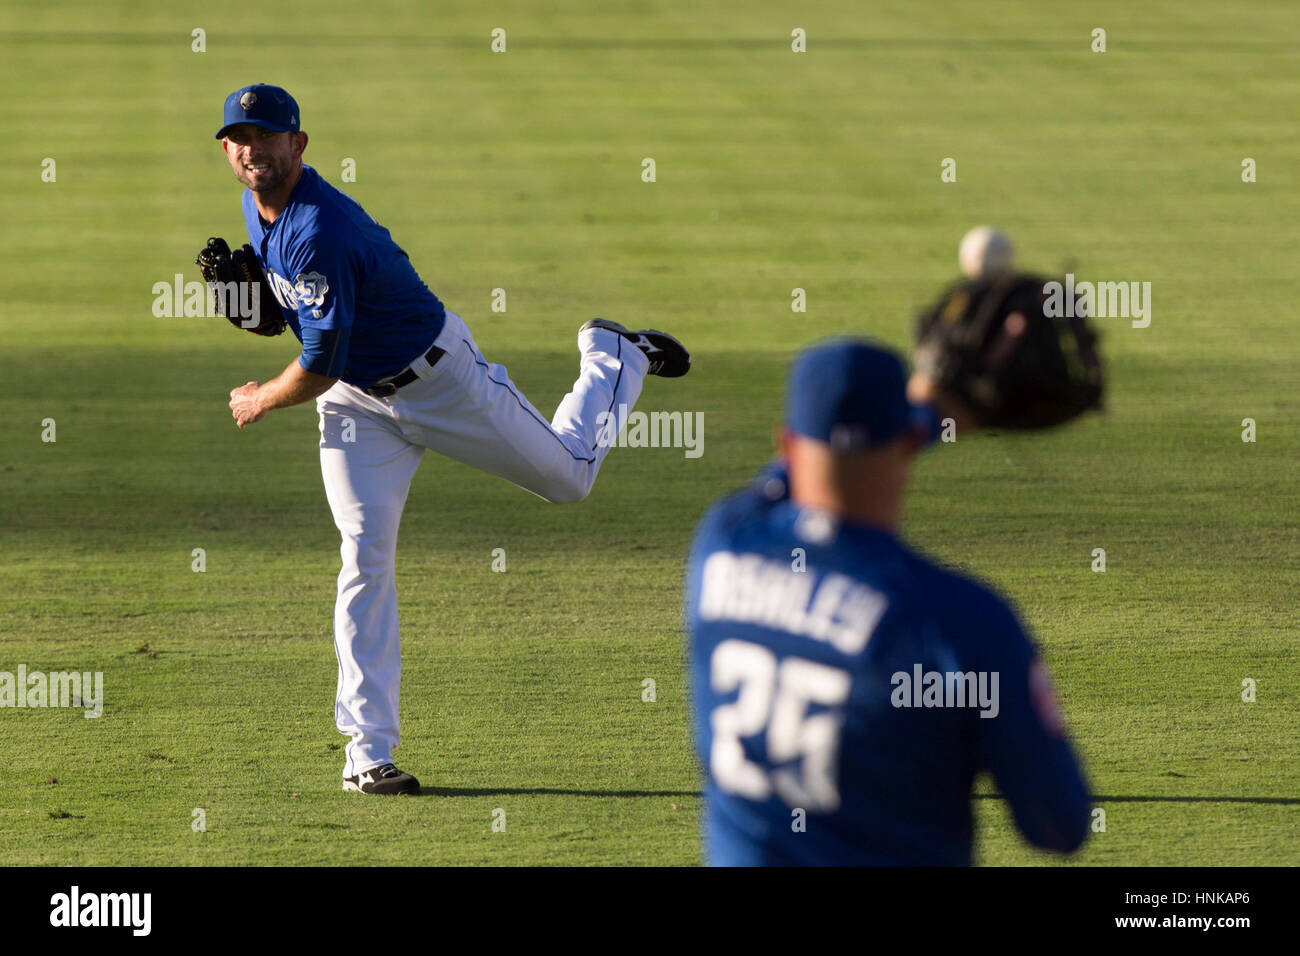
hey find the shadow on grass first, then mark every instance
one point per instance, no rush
(548, 791)
(1100, 799)
(561, 791)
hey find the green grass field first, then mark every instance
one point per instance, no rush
(522, 170)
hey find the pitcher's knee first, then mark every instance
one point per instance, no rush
(569, 488)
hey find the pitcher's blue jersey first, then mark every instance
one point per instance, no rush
(846, 692)
(348, 291)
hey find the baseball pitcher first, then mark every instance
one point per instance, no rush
(393, 374)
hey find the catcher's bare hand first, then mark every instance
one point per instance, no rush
(245, 405)
(923, 391)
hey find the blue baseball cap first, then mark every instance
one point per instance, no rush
(261, 105)
(851, 394)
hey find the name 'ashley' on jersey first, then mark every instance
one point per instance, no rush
(754, 590)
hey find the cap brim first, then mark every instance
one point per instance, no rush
(273, 127)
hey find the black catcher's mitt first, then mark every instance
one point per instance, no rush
(1008, 351)
(252, 308)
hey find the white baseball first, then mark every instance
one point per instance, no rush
(984, 251)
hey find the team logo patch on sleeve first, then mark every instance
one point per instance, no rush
(310, 288)
(1043, 697)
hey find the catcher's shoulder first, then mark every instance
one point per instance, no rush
(737, 516)
(768, 489)
(959, 595)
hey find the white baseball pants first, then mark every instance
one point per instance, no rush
(468, 410)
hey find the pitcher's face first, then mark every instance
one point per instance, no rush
(262, 159)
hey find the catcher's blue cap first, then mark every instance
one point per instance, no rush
(262, 105)
(851, 394)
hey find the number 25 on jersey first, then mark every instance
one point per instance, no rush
(802, 749)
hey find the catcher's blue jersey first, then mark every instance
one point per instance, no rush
(847, 691)
(348, 291)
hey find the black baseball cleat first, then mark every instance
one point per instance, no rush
(668, 357)
(386, 780)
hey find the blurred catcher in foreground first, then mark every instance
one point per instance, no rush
(846, 689)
